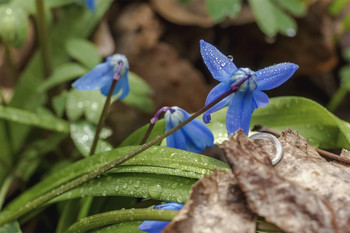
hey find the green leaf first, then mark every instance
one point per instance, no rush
(296, 7)
(125, 227)
(5, 149)
(59, 103)
(32, 156)
(337, 6)
(346, 54)
(62, 73)
(83, 134)
(118, 216)
(314, 122)
(139, 95)
(219, 9)
(89, 103)
(346, 23)
(29, 5)
(13, 25)
(83, 51)
(12, 227)
(155, 156)
(286, 25)
(345, 77)
(263, 11)
(153, 186)
(44, 121)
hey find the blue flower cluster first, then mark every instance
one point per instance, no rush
(196, 136)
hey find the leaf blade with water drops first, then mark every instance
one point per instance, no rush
(163, 156)
(151, 186)
(29, 118)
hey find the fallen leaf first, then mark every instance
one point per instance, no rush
(216, 204)
(271, 195)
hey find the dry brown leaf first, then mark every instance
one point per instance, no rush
(193, 13)
(216, 205)
(302, 164)
(271, 195)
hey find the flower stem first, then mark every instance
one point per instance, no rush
(105, 109)
(153, 121)
(43, 37)
(103, 117)
(148, 132)
(99, 171)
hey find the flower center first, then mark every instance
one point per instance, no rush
(114, 61)
(176, 117)
(243, 73)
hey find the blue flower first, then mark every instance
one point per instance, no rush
(90, 4)
(250, 96)
(102, 75)
(158, 226)
(194, 136)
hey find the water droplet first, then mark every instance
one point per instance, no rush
(104, 193)
(291, 32)
(116, 188)
(155, 191)
(125, 186)
(137, 184)
(230, 57)
(222, 64)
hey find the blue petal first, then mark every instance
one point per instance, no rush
(169, 206)
(124, 83)
(217, 91)
(274, 76)
(239, 112)
(198, 136)
(260, 99)
(220, 67)
(90, 4)
(158, 226)
(95, 79)
(176, 139)
(153, 226)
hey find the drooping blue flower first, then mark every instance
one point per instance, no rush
(250, 96)
(90, 4)
(158, 226)
(102, 75)
(194, 136)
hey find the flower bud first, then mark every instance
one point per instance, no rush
(13, 25)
